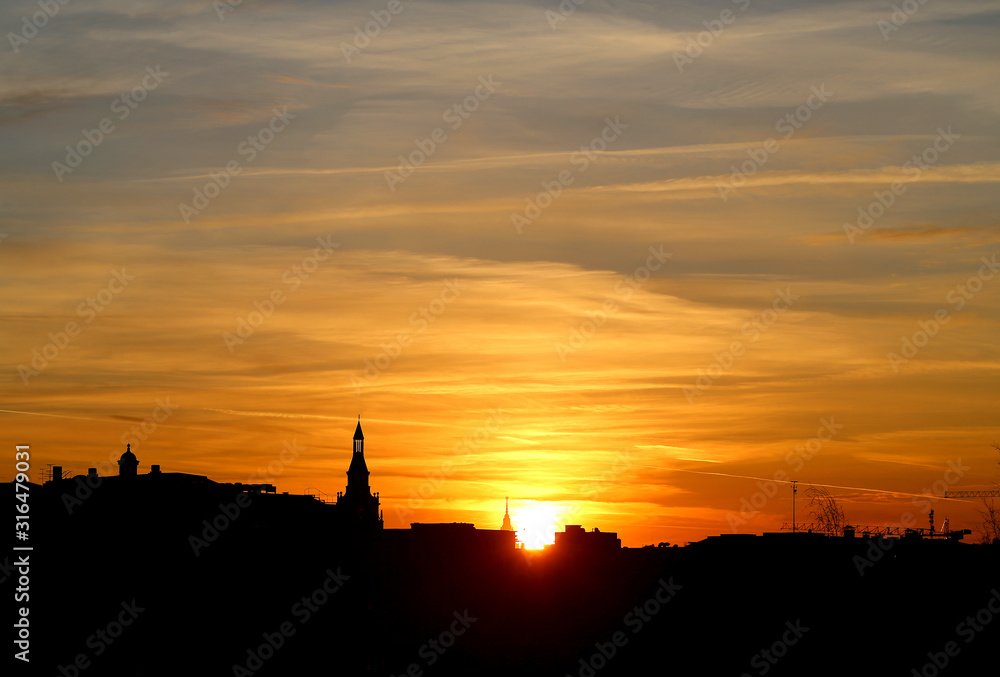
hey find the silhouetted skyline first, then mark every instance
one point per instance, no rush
(526, 337)
(448, 596)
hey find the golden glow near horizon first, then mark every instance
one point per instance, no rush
(567, 258)
(537, 523)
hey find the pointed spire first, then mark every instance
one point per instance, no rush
(357, 472)
(506, 526)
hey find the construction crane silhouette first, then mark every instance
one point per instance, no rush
(984, 493)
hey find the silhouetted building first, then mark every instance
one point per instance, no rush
(357, 506)
(506, 516)
(243, 553)
(450, 540)
(576, 539)
(128, 464)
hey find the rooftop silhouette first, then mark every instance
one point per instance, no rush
(242, 579)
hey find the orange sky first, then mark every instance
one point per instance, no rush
(573, 272)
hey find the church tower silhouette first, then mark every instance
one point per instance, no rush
(357, 505)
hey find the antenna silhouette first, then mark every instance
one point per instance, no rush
(795, 490)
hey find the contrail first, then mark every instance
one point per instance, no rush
(119, 421)
(771, 479)
(322, 417)
(36, 413)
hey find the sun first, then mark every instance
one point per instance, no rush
(536, 523)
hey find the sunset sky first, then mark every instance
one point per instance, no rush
(634, 264)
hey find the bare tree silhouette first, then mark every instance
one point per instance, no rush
(826, 511)
(990, 514)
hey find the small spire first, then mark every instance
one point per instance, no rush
(128, 447)
(358, 435)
